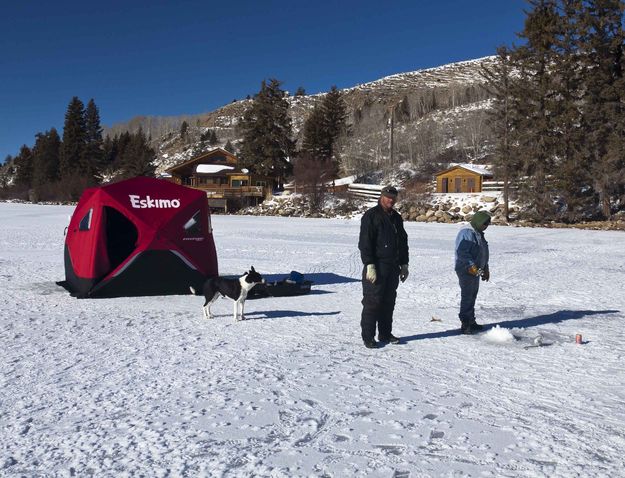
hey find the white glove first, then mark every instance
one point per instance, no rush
(403, 272)
(371, 275)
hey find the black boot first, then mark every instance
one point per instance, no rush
(390, 338)
(469, 328)
(371, 344)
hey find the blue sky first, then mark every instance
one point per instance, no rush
(189, 56)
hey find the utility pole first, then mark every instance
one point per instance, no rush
(391, 145)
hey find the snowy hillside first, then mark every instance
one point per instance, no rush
(147, 387)
(462, 72)
(442, 102)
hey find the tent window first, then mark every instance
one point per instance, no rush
(193, 227)
(85, 222)
(121, 236)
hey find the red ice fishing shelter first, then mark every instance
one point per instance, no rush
(142, 236)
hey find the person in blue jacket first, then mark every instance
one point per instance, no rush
(471, 265)
(383, 245)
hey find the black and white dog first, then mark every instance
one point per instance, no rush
(237, 290)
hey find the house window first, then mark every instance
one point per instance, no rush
(237, 183)
(261, 183)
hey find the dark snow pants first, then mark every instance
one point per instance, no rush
(378, 301)
(469, 286)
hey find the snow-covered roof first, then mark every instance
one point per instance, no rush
(481, 169)
(212, 168)
(344, 181)
(372, 187)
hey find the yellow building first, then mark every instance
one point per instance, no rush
(462, 178)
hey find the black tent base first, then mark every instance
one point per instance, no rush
(67, 286)
(154, 272)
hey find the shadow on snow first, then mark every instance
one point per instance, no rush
(276, 314)
(553, 318)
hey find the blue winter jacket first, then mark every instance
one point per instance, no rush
(471, 249)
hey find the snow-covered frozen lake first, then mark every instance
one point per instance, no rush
(148, 387)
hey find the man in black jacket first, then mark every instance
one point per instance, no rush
(383, 245)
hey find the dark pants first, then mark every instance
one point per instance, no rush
(469, 286)
(378, 301)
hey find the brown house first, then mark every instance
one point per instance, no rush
(217, 173)
(462, 178)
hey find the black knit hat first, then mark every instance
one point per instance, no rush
(389, 192)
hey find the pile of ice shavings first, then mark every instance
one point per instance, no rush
(499, 335)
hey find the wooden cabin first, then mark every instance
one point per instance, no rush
(462, 178)
(227, 186)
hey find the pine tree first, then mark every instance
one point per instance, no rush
(46, 159)
(300, 91)
(184, 130)
(572, 182)
(94, 155)
(6, 170)
(24, 167)
(334, 117)
(325, 124)
(205, 136)
(228, 147)
(601, 54)
(266, 145)
(122, 143)
(213, 138)
(535, 103)
(315, 142)
(109, 153)
(74, 141)
(138, 157)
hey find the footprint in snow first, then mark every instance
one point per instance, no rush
(434, 434)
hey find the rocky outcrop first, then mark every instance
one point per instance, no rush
(420, 210)
(446, 210)
(296, 205)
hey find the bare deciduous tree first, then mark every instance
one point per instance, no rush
(311, 177)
